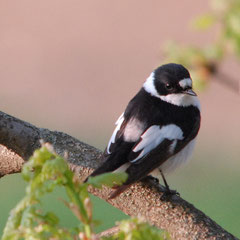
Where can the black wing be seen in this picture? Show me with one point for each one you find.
(116, 153)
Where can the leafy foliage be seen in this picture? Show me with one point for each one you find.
(205, 61)
(45, 171)
(136, 229)
(108, 179)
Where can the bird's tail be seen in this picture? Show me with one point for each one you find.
(105, 168)
(109, 165)
(118, 190)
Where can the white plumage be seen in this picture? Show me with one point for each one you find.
(181, 99)
(186, 82)
(133, 130)
(178, 159)
(154, 135)
(113, 137)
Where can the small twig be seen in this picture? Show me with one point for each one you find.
(227, 81)
(109, 232)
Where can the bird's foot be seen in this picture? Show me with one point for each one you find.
(168, 193)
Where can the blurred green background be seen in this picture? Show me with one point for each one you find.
(73, 66)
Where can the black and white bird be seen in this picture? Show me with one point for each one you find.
(157, 131)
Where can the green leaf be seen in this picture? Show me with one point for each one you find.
(108, 179)
(136, 229)
(29, 221)
(51, 218)
(204, 22)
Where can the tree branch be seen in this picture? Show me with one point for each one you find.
(181, 219)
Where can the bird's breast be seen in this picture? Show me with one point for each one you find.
(179, 158)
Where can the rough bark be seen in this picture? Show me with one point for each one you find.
(181, 219)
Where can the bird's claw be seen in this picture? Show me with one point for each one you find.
(168, 193)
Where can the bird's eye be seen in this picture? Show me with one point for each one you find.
(169, 87)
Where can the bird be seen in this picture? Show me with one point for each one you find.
(157, 131)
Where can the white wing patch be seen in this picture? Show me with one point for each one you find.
(173, 146)
(154, 135)
(133, 130)
(113, 137)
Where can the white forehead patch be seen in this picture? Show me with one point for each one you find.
(149, 85)
(186, 82)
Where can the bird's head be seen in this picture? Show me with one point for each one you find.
(172, 83)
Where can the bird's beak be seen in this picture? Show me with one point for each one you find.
(190, 92)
